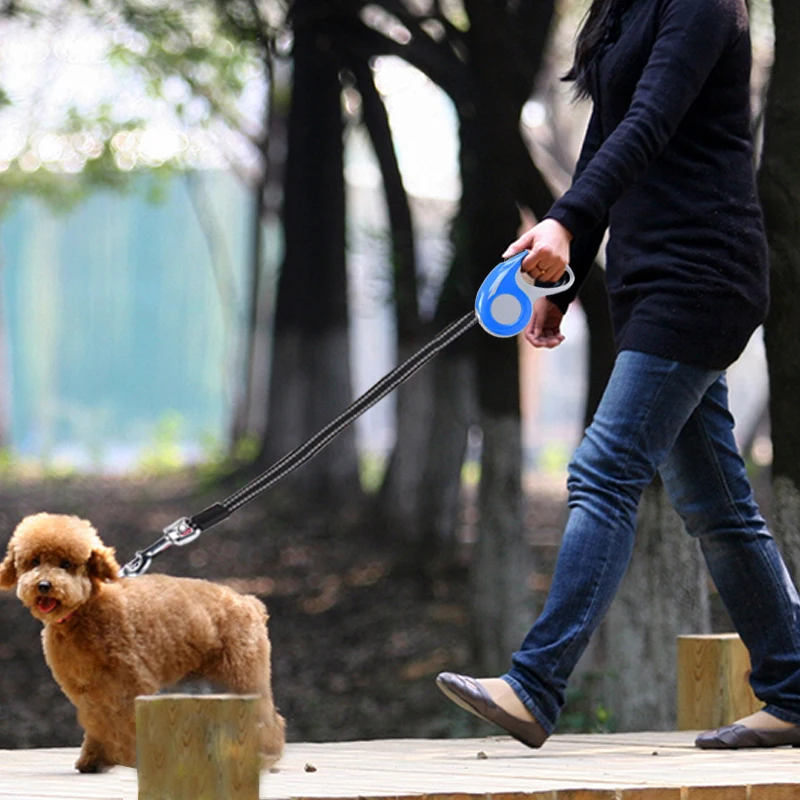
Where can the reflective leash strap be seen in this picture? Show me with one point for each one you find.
(187, 529)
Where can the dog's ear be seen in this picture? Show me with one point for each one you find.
(8, 571)
(102, 565)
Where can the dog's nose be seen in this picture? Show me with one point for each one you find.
(45, 587)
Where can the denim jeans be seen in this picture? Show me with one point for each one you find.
(660, 415)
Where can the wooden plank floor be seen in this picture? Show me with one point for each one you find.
(631, 766)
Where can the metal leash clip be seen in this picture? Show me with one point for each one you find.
(178, 533)
(182, 532)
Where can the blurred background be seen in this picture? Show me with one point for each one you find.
(224, 221)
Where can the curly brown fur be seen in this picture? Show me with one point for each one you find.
(108, 640)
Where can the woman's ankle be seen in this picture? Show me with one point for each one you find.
(764, 721)
(506, 698)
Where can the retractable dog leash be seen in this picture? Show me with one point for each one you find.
(503, 307)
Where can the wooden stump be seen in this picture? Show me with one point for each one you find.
(713, 685)
(197, 747)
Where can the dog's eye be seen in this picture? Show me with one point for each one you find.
(66, 564)
(35, 562)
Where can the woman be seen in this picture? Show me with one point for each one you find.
(667, 168)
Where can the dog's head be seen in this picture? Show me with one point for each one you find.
(56, 562)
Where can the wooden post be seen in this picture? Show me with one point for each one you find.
(713, 681)
(197, 747)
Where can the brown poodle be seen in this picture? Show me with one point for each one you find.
(108, 640)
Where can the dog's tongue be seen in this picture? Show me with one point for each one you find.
(46, 604)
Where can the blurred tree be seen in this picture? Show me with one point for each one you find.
(436, 38)
(486, 56)
(197, 60)
(399, 489)
(190, 63)
(779, 186)
(442, 43)
(310, 375)
(179, 56)
(216, 51)
(506, 48)
(5, 386)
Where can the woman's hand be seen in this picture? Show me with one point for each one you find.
(548, 246)
(544, 329)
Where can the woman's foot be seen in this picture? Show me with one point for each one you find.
(493, 700)
(757, 730)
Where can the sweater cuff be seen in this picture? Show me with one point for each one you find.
(565, 216)
(562, 301)
(578, 221)
(583, 252)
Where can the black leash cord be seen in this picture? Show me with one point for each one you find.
(187, 529)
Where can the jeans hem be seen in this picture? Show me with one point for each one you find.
(529, 703)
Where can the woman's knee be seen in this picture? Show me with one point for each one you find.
(602, 469)
(605, 455)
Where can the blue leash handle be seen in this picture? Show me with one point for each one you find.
(504, 303)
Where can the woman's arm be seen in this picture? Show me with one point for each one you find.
(584, 247)
(692, 35)
(552, 246)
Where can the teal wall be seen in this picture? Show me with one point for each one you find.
(114, 321)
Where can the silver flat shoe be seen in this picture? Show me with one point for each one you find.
(468, 694)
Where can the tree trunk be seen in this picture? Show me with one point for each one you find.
(500, 596)
(664, 594)
(310, 376)
(491, 164)
(5, 384)
(394, 512)
(455, 411)
(246, 414)
(779, 186)
(502, 557)
(251, 397)
(397, 501)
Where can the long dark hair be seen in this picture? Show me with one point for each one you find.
(599, 24)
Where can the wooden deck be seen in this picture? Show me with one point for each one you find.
(630, 766)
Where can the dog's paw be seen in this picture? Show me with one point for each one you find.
(91, 765)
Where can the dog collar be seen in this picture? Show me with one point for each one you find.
(71, 613)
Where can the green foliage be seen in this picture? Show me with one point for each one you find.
(181, 65)
(371, 469)
(246, 449)
(471, 473)
(164, 455)
(218, 463)
(14, 467)
(57, 470)
(584, 711)
(554, 458)
(9, 464)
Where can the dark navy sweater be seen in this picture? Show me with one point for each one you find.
(667, 166)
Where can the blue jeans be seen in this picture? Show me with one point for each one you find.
(659, 415)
